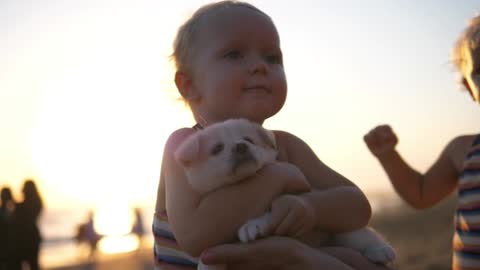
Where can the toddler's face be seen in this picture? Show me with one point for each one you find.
(471, 73)
(237, 66)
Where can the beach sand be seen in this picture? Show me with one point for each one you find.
(138, 260)
(422, 239)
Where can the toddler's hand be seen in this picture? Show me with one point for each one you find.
(292, 216)
(381, 140)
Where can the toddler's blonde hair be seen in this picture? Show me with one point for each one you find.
(183, 46)
(468, 41)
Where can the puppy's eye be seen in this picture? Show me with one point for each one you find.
(248, 139)
(216, 149)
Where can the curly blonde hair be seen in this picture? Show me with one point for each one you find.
(468, 41)
(183, 45)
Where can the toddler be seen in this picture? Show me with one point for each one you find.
(229, 65)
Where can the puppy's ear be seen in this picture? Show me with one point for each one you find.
(189, 151)
(267, 137)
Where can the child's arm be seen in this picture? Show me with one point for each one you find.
(201, 221)
(338, 205)
(419, 190)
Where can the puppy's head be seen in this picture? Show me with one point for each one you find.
(225, 152)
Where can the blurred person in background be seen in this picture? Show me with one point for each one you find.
(138, 228)
(7, 241)
(87, 234)
(25, 227)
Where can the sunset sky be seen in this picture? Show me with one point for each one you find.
(87, 98)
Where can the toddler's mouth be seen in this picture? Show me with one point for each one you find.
(257, 88)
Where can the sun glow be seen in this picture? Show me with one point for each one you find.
(113, 218)
(99, 101)
(114, 221)
(118, 244)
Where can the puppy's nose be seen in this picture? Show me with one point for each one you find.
(240, 148)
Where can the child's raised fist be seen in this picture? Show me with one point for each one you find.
(381, 140)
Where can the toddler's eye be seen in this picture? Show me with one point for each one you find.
(274, 59)
(248, 139)
(233, 55)
(216, 149)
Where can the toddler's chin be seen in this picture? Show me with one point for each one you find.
(259, 115)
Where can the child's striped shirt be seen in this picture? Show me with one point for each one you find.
(466, 240)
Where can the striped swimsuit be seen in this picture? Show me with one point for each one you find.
(466, 241)
(167, 252)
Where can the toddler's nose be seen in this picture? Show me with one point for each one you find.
(240, 148)
(258, 65)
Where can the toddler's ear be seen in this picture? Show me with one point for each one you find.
(184, 84)
(189, 151)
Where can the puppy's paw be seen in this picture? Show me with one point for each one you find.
(254, 228)
(380, 254)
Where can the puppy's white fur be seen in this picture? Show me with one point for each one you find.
(230, 151)
(225, 152)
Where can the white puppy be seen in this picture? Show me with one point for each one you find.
(230, 151)
(225, 153)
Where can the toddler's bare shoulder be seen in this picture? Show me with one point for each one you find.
(176, 138)
(284, 137)
(288, 144)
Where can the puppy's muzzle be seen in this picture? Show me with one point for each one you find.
(241, 154)
(240, 149)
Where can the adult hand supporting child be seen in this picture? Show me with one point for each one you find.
(283, 253)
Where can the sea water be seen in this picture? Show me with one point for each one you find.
(59, 247)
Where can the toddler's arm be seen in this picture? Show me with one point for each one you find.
(419, 190)
(201, 221)
(338, 204)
